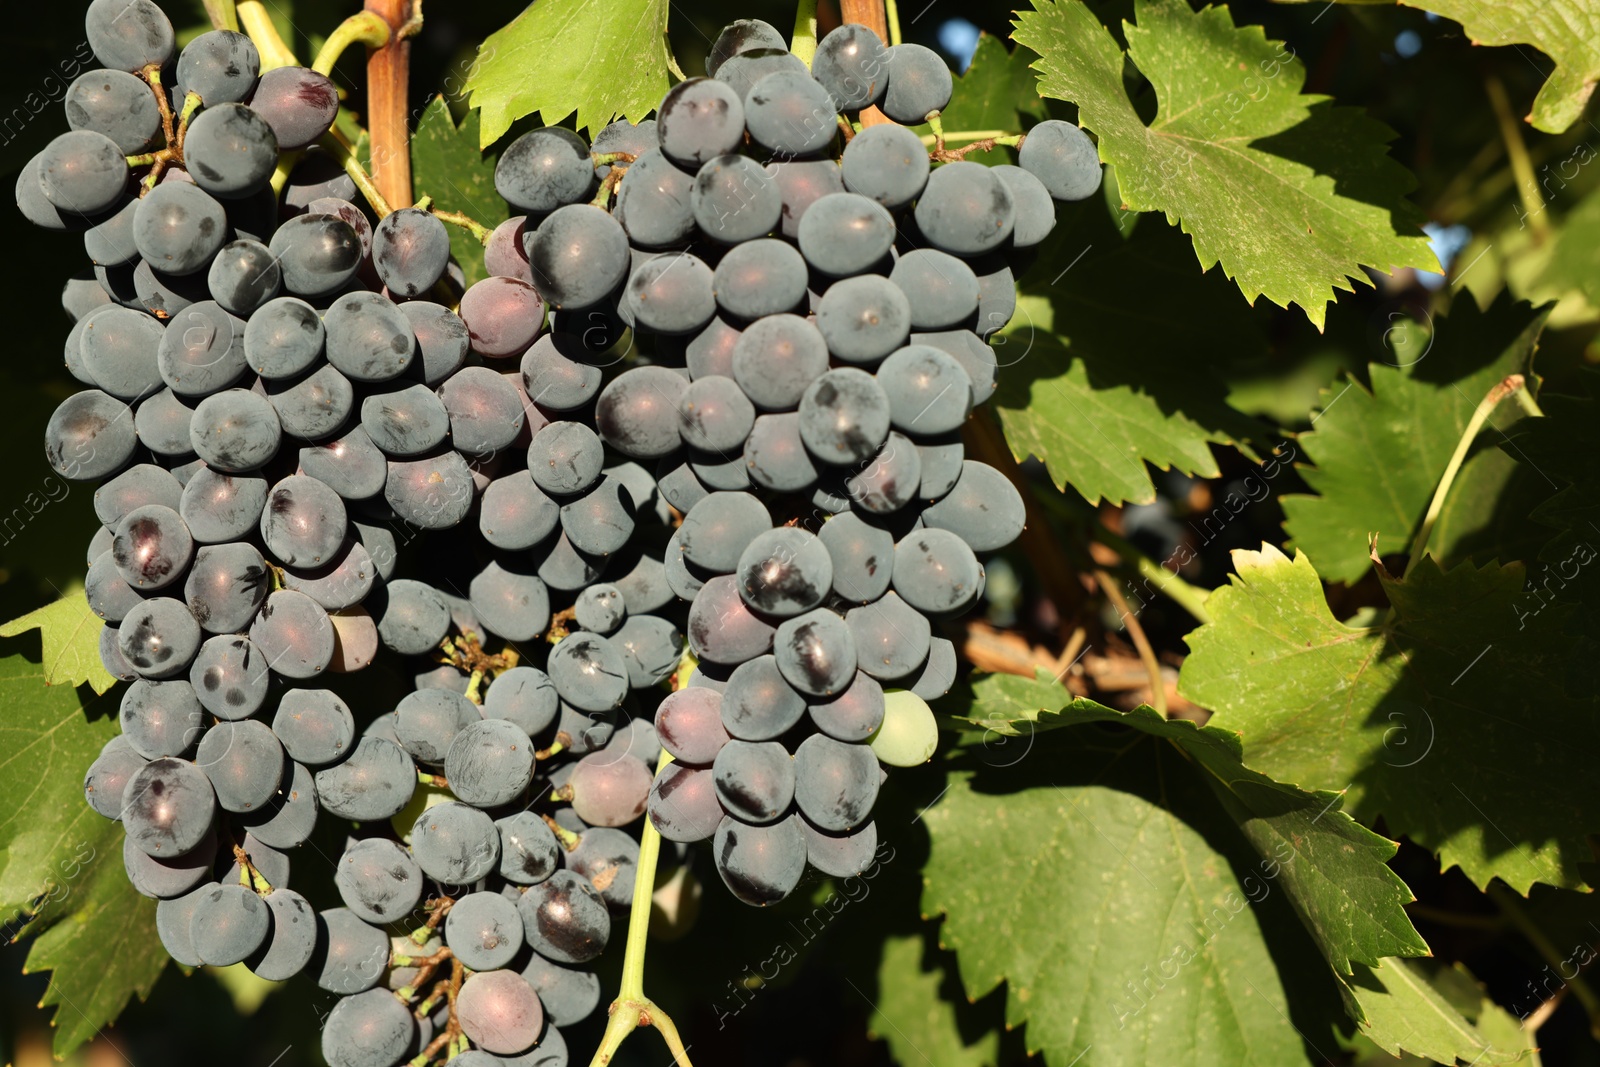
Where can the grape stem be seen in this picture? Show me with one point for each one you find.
(609, 183)
(286, 162)
(152, 78)
(982, 140)
(1130, 621)
(803, 43)
(364, 27)
(1506, 387)
(845, 128)
(388, 79)
(334, 143)
(258, 26)
(456, 218)
(891, 10)
(1190, 598)
(249, 876)
(436, 780)
(568, 839)
(632, 1009)
(222, 15)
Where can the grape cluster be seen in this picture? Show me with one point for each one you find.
(784, 346)
(683, 474)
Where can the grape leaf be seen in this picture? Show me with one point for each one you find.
(1292, 195)
(448, 165)
(1332, 869)
(1568, 31)
(596, 58)
(919, 1024)
(1379, 455)
(61, 874)
(103, 948)
(1404, 1011)
(1382, 712)
(1101, 880)
(70, 634)
(1097, 387)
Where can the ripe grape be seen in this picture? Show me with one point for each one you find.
(844, 416)
(502, 316)
(965, 209)
(941, 289)
(816, 652)
(299, 104)
(854, 714)
(1061, 156)
(456, 844)
(484, 930)
(565, 919)
(853, 65)
(528, 849)
(777, 358)
(886, 163)
(368, 1028)
(544, 170)
(230, 151)
(699, 119)
(489, 763)
(927, 389)
(128, 34)
(82, 172)
(221, 66)
(229, 923)
(578, 256)
(410, 249)
(760, 864)
(378, 880)
(167, 807)
(846, 233)
(919, 82)
(374, 783)
(936, 572)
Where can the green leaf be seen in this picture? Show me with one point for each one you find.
(104, 950)
(1405, 1012)
(1379, 455)
(919, 1023)
(70, 634)
(448, 165)
(1101, 880)
(596, 58)
(1095, 385)
(61, 862)
(1332, 868)
(1449, 720)
(1568, 31)
(1291, 195)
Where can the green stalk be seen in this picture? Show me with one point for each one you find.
(1000, 136)
(258, 26)
(1190, 598)
(222, 15)
(364, 27)
(286, 162)
(804, 42)
(1510, 906)
(892, 10)
(1502, 389)
(632, 1009)
(335, 146)
(466, 222)
(1521, 164)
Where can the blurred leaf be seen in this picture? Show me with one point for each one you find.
(919, 1024)
(70, 634)
(1568, 31)
(1378, 456)
(1462, 769)
(596, 58)
(1332, 868)
(1575, 260)
(1292, 195)
(448, 165)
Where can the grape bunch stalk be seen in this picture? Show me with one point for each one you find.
(659, 529)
